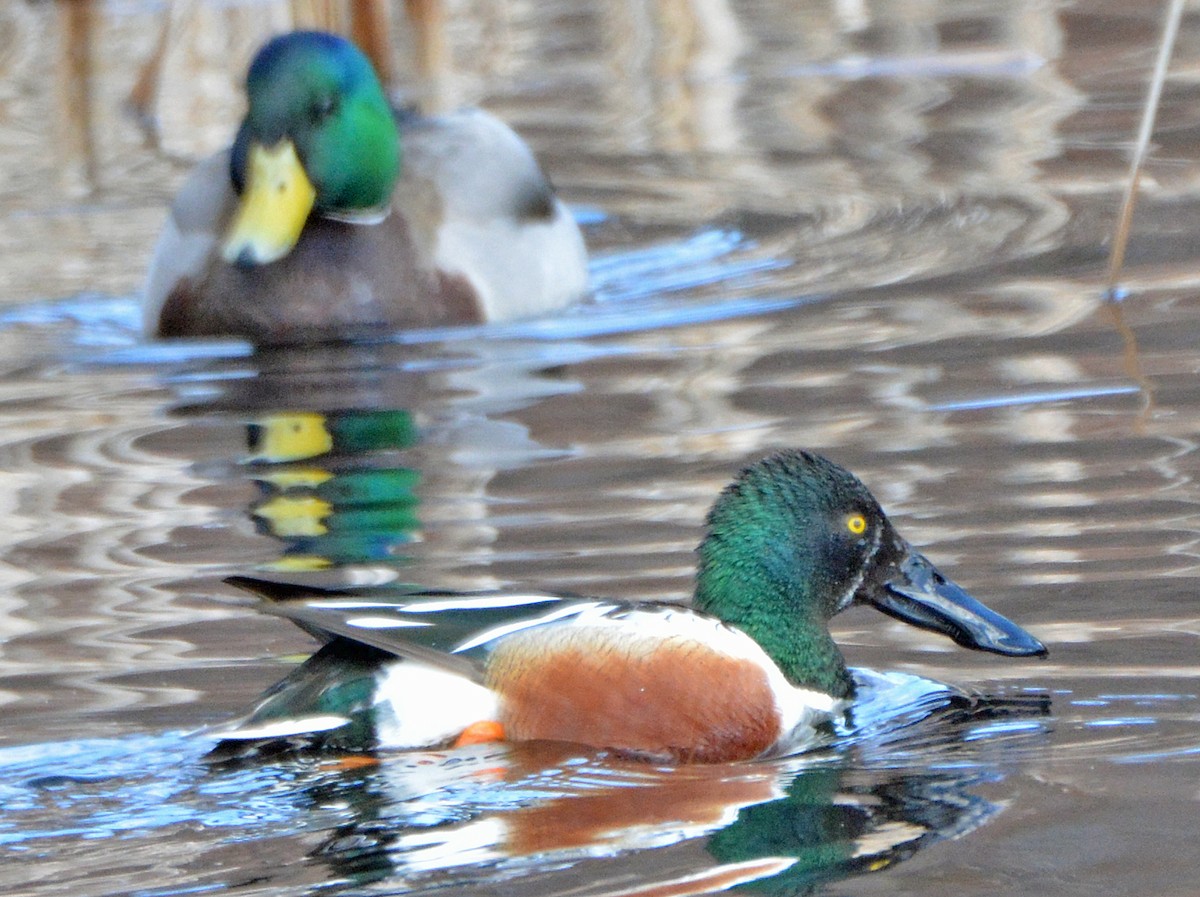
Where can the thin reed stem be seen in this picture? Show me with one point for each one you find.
(1116, 257)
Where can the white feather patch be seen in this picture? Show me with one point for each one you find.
(302, 725)
(385, 623)
(421, 705)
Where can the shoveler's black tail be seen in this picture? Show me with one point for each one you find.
(358, 611)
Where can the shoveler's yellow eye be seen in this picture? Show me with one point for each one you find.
(857, 524)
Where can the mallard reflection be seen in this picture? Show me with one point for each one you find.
(323, 495)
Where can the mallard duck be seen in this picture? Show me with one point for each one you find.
(333, 215)
(749, 670)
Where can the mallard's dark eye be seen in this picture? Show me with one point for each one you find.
(322, 108)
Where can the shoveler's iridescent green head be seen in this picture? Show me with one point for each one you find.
(795, 539)
(319, 135)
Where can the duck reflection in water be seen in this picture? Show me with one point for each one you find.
(344, 443)
(550, 820)
(326, 494)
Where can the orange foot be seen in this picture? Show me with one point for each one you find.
(350, 761)
(480, 733)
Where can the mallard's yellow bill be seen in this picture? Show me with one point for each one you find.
(291, 437)
(294, 477)
(274, 206)
(299, 563)
(291, 518)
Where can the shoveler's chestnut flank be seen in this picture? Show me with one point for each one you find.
(333, 215)
(750, 670)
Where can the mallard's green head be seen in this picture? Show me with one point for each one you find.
(795, 539)
(318, 135)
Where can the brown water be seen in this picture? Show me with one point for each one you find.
(877, 230)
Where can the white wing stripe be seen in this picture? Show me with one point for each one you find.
(483, 638)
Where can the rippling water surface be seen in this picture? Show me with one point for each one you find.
(875, 230)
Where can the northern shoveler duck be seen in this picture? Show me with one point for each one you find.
(333, 215)
(749, 670)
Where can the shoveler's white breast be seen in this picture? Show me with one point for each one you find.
(661, 682)
(418, 705)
